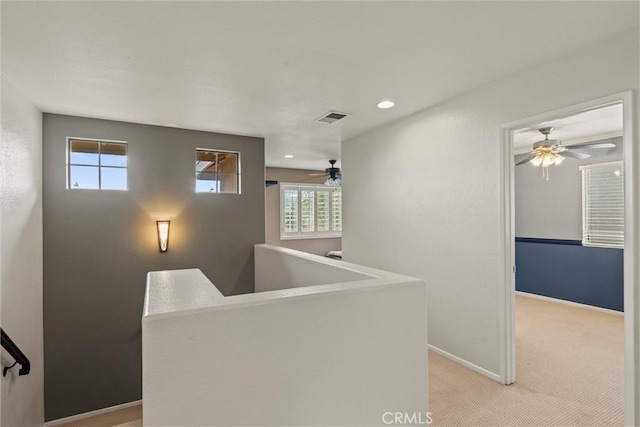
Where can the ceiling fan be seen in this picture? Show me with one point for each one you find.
(549, 152)
(333, 174)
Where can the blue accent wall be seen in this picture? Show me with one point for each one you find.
(566, 270)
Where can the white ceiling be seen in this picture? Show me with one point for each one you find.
(269, 69)
(591, 125)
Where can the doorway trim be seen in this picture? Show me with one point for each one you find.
(631, 248)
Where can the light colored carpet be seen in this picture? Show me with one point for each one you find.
(570, 372)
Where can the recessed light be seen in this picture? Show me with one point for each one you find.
(288, 156)
(386, 104)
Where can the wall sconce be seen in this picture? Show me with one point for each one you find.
(163, 235)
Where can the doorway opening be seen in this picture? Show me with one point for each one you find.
(558, 234)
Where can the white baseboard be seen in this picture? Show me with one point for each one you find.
(467, 364)
(91, 414)
(574, 304)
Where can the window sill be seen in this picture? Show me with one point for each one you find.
(312, 237)
(597, 245)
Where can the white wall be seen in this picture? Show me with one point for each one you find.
(21, 254)
(435, 215)
(336, 354)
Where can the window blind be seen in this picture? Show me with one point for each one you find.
(603, 205)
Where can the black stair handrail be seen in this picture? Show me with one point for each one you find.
(17, 354)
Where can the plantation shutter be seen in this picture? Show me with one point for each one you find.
(324, 211)
(310, 211)
(603, 205)
(290, 210)
(336, 206)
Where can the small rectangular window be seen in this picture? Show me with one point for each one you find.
(96, 165)
(603, 205)
(217, 171)
(310, 211)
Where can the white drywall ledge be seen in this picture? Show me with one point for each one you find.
(341, 353)
(281, 268)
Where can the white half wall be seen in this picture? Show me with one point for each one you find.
(281, 268)
(21, 255)
(436, 213)
(340, 354)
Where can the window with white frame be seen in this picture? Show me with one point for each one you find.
(603, 204)
(96, 165)
(310, 211)
(217, 171)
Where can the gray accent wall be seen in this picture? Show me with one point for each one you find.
(552, 209)
(314, 246)
(99, 246)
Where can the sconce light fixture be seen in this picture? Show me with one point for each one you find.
(163, 235)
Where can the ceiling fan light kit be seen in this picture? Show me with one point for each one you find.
(333, 174)
(546, 153)
(333, 182)
(544, 160)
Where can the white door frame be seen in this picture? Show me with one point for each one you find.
(631, 249)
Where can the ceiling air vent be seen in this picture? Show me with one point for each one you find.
(331, 117)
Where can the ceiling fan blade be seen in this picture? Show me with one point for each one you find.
(311, 178)
(575, 154)
(592, 145)
(521, 159)
(318, 174)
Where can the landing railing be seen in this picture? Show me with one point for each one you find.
(320, 342)
(15, 352)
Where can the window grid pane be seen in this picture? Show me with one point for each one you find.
(113, 178)
(84, 177)
(207, 182)
(227, 183)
